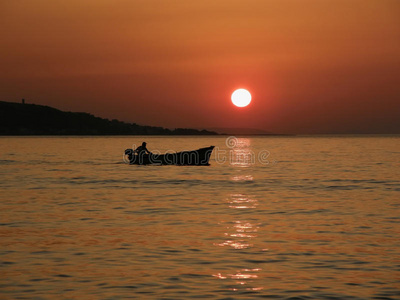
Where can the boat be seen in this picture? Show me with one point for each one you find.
(199, 157)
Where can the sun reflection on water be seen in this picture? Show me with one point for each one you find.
(240, 201)
(242, 178)
(241, 233)
(241, 154)
(242, 277)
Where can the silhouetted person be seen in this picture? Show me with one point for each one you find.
(141, 150)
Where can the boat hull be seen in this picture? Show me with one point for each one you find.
(199, 157)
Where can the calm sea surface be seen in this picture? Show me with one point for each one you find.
(271, 217)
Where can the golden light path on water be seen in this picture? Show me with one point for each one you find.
(240, 234)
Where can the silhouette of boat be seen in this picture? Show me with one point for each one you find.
(199, 157)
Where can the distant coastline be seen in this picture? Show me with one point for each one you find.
(245, 132)
(33, 119)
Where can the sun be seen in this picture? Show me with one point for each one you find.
(241, 98)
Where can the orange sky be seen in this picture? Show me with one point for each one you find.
(312, 66)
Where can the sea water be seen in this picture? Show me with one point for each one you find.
(271, 217)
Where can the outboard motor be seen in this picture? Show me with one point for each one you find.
(129, 152)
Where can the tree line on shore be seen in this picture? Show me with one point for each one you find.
(32, 119)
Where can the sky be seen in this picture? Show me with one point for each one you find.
(312, 66)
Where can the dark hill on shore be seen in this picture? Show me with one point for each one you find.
(32, 119)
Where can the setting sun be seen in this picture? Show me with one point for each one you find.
(241, 98)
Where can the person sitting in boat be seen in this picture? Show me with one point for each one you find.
(142, 150)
